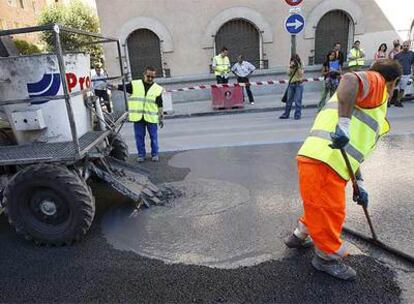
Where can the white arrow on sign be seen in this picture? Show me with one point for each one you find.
(297, 24)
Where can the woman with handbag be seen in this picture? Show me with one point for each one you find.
(294, 90)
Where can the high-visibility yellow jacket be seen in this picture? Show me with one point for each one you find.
(143, 105)
(367, 126)
(355, 54)
(221, 65)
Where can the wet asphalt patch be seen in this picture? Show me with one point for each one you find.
(92, 271)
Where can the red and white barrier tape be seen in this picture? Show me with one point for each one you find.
(230, 85)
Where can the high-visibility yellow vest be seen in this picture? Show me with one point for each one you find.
(355, 53)
(143, 105)
(222, 65)
(367, 126)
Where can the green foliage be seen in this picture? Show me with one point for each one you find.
(26, 48)
(78, 16)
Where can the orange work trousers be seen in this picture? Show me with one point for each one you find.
(323, 195)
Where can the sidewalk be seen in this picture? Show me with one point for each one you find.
(262, 104)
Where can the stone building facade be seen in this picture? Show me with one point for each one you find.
(20, 13)
(180, 37)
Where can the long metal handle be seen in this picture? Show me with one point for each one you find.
(356, 191)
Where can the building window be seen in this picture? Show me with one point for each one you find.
(22, 4)
(11, 2)
(334, 26)
(240, 37)
(144, 49)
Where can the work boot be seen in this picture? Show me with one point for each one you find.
(393, 98)
(334, 268)
(294, 242)
(155, 158)
(140, 159)
(398, 103)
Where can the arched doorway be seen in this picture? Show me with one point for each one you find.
(144, 50)
(240, 37)
(334, 26)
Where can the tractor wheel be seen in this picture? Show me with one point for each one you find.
(119, 148)
(49, 204)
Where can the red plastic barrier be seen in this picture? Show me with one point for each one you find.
(227, 98)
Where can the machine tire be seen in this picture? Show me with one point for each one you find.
(35, 192)
(119, 148)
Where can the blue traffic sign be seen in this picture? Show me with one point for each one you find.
(294, 24)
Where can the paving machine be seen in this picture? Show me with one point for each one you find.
(54, 136)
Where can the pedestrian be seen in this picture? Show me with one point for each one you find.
(356, 57)
(406, 59)
(331, 70)
(396, 49)
(145, 111)
(99, 85)
(338, 53)
(243, 69)
(221, 66)
(295, 89)
(381, 53)
(353, 120)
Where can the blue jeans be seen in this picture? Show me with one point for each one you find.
(295, 94)
(139, 128)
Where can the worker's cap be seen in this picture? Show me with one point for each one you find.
(98, 65)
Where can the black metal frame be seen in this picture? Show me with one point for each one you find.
(57, 29)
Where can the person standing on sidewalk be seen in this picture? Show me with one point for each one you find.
(295, 89)
(221, 66)
(406, 59)
(331, 70)
(243, 69)
(338, 53)
(353, 120)
(145, 111)
(395, 50)
(356, 57)
(381, 53)
(99, 85)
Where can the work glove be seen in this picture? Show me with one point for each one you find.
(340, 138)
(161, 123)
(361, 198)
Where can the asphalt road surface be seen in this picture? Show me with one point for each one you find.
(219, 237)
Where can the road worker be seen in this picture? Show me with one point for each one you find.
(145, 110)
(356, 57)
(353, 119)
(221, 66)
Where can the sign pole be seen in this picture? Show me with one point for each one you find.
(293, 45)
(294, 24)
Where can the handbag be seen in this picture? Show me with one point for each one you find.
(284, 98)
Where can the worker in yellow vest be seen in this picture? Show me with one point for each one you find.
(145, 110)
(221, 66)
(356, 57)
(353, 119)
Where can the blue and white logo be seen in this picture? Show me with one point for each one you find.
(295, 24)
(49, 85)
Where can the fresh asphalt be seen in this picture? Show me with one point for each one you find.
(101, 269)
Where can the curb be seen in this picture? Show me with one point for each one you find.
(234, 111)
(410, 99)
